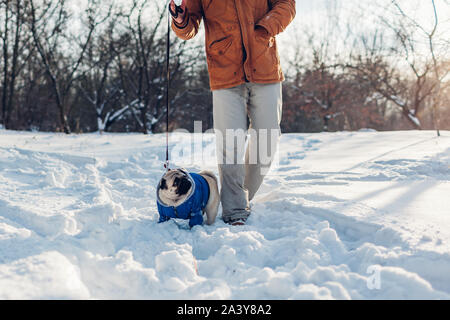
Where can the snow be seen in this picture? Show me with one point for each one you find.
(347, 215)
(414, 119)
(398, 100)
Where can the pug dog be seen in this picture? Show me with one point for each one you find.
(191, 196)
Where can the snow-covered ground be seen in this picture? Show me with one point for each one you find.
(362, 215)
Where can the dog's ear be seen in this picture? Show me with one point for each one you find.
(163, 184)
(183, 186)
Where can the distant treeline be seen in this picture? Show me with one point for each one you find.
(102, 68)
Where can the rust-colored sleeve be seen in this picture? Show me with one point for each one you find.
(279, 17)
(189, 27)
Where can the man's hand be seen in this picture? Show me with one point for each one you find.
(178, 15)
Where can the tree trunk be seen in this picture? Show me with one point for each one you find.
(5, 68)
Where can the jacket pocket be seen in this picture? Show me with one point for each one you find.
(224, 59)
(218, 52)
(265, 61)
(263, 45)
(220, 46)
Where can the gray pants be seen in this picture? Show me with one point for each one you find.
(243, 162)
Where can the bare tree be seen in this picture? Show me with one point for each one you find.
(439, 73)
(16, 52)
(48, 21)
(383, 67)
(100, 86)
(321, 93)
(142, 67)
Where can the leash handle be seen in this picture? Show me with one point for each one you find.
(178, 10)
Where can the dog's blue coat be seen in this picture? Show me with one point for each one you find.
(192, 208)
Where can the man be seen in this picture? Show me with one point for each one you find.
(245, 78)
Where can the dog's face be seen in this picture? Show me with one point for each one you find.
(174, 186)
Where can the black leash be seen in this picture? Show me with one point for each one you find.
(175, 15)
(166, 164)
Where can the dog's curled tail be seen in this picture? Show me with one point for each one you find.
(208, 174)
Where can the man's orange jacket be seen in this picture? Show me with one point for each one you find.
(237, 49)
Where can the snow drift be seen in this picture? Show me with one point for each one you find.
(360, 215)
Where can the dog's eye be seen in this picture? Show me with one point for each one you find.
(176, 182)
(163, 184)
